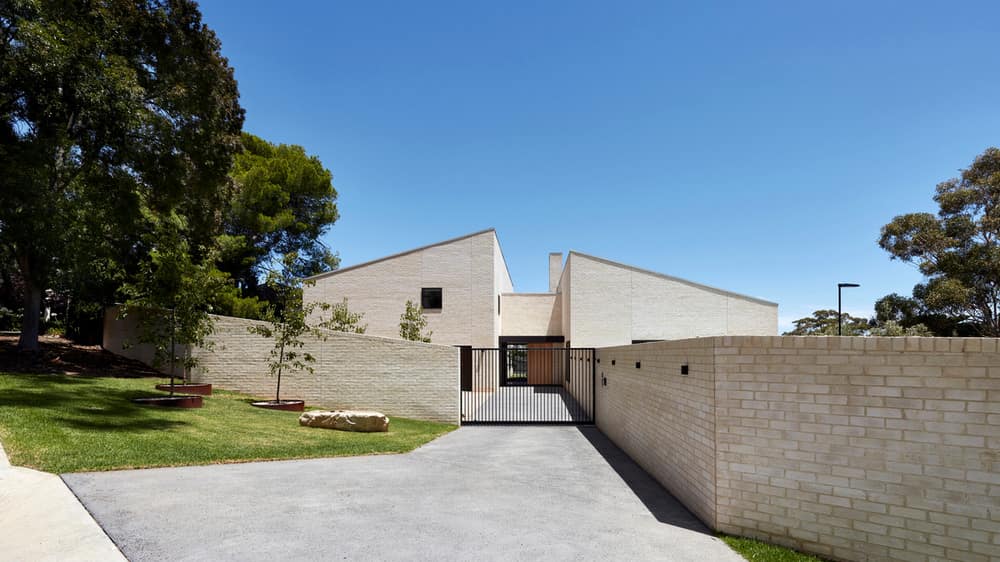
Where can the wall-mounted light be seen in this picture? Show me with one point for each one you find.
(638, 364)
(684, 369)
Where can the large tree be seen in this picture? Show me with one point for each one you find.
(957, 250)
(912, 312)
(283, 202)
(824, 323)
(113, 106)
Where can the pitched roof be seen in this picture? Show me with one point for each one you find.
(407, 252)
(672, 278)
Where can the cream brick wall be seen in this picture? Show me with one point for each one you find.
(465, 269)
(614, 304)
(851, 448)
(662, 420)
(502, 283)
(531, 314)
(120, 336)
(862, 448)
(352, 371)
(555, 270)
(566, 301)
(601, 305)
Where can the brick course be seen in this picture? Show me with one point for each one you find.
(352, 371)
(851, 448)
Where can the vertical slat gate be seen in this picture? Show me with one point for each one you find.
(527, 384)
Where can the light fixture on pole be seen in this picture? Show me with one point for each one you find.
(840, 315)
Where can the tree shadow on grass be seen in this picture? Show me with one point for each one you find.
(87, 406)
(120, 424)
(117, 414)
(51, 391)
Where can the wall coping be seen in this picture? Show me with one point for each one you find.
(335, 333)
(843, 343)
(250, 322)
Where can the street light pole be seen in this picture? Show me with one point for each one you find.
(840, 315)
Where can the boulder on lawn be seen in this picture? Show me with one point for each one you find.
(346, 420)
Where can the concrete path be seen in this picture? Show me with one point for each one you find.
(480, 493)
(41, 519)
(522, 404)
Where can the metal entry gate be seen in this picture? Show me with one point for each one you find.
(527, 383)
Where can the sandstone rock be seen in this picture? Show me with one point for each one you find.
(346, 420)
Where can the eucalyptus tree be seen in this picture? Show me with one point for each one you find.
(958, 249)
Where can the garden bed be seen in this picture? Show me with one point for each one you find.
(283, 405)
(170, 401)
(187, 388)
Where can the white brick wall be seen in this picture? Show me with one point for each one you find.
(502, 283)
(566, 301)
(531, 314)
(862, 448)
(851, 448)
(662, 420)
(555, 270)
(399, 378)
(613, 304)
(466, 270)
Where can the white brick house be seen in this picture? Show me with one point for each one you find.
(469, 299)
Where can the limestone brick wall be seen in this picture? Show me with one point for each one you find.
(397, 377)
(464, 269)
(120, 334)
(555, 270)
(565, 301)
(664, 421)
(861, 448)
(851, 448)
(121, 337)
(614, 304)
(502, 283)
(531, 314)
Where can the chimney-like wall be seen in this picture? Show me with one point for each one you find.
(555, 270)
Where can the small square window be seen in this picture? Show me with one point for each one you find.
(430, 298)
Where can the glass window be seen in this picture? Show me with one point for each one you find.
(430, 298)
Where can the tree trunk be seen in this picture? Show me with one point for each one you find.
(281, 362)
(32, 309)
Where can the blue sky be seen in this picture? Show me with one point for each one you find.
(757, 147)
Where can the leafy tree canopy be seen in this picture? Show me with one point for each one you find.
(912, 312)
(283, 202)
(412, 324)
(957, 250)
(892, 328)
(824, 323)
(174, 281)
(111, 106)
(341, 319)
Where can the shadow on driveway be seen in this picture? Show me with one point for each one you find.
(660, 503)
(480, 493)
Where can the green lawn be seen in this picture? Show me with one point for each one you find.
(61, 423)
(757, 551)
